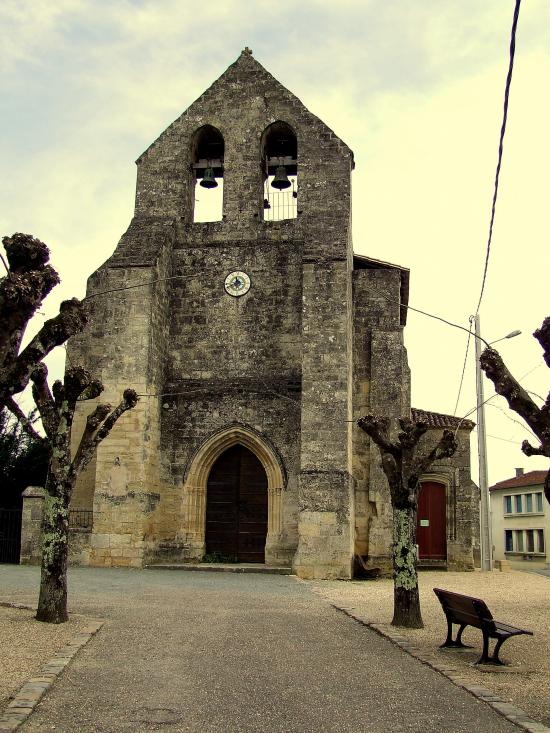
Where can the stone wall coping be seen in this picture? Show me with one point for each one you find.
(34, 492)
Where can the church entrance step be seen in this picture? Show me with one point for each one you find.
(223, 568)
(432, 565)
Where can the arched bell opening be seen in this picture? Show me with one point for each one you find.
(207, 155)
(236, 507)
(279, 172)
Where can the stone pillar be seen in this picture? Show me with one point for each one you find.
(31, 527)
(194, 513)
(326, 523)
(273, 554)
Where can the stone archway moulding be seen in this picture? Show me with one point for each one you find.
(194, 490)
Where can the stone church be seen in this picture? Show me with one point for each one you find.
(236, 308)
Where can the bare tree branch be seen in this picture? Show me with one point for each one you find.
(411, 432)
(90, 441)
(92, 391)
(44, 400)
(378, 429)
(537, 418)
(518, 398)
(128, 402)
(26, 424)
(15, 376)
(531, 450)
(542, 335)
(86, 445)
(29, 279)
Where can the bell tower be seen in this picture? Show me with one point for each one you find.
(238, 332)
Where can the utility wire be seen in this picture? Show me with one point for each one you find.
(388, 300)
(500, 147)
(463, 367)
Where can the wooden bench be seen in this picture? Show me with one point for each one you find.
(469, 611)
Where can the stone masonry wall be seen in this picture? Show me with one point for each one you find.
(121, 347)
(381, 387)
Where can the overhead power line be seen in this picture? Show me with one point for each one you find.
(500, 148)
(463, 367)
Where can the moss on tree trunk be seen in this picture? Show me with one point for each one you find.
(52, 602)
(406, 607)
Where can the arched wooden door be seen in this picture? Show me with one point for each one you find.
(431, 528)
(236, 507)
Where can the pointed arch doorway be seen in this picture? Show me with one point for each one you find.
(237, 506)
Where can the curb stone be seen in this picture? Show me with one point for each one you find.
(34, 689)
(512, 713)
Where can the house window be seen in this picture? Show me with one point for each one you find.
(518, 502)
(508, 540)
(280, 172)
(207, 167)
(528, 502)
(507, 504)
(538, 498)
(530, 536)
(540, 540)
(519, 540)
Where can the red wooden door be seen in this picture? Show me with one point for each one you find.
(236, 507)
(431, 527)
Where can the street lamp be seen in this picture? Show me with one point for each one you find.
(485, 519)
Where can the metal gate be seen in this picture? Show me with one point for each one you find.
(10, 535)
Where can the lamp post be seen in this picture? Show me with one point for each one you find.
(484, 514)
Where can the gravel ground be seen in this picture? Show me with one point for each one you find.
(26, 645)
(207, 652)
(519, 598)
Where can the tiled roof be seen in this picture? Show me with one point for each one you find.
(531, 478)
(439, 420)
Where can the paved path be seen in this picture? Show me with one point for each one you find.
(207, 652)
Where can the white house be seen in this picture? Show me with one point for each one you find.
(520, 518)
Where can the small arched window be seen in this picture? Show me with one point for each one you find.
(207, 157)
(280, 172)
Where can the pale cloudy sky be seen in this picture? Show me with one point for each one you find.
(414, 88)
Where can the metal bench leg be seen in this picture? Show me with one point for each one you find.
(484, 659)
(449, 641)
(458, 640)
(495, 659)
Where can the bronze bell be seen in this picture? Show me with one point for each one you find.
(209, 180)
(280, 179)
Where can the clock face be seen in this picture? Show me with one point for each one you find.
(237, 283)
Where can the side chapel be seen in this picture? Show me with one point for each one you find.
(235, 306)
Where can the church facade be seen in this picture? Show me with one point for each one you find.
(255, 341)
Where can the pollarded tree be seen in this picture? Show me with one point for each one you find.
(403, 465)
(28, 280)
(57, 408)
(519, 400)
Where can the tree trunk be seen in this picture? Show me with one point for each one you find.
(406, 600)
(52, 602)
